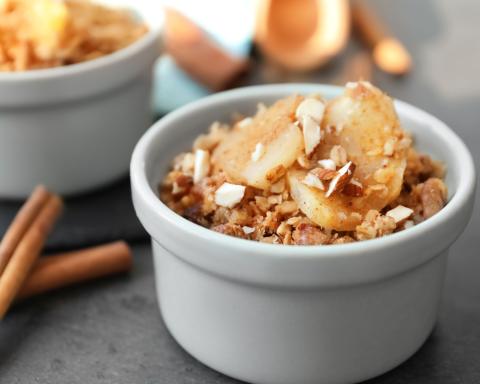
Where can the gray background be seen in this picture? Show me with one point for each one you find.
(111, 331)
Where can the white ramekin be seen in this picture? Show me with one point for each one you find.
(74, 128)
(294, 314)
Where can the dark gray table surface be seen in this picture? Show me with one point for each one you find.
(111, 331)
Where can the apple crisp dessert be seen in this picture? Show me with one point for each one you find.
(308, 171)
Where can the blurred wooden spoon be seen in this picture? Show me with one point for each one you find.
(302, 34)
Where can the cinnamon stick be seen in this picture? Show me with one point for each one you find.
(27, 251)
(53, 272)
(389, 53)
(22, 221)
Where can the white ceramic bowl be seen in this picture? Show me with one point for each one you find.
(268, 313)
(74, 128)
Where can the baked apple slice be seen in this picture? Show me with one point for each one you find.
(364, 125)
(260, 150)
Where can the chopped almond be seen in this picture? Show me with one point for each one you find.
(399, 213)
(344, 175)
(229, 195)
(278, 187)
(324, 174)
(312, 135)
(327, 164)
(310, 107)
(313, 181)
(248, 230)
(338, 155)
(245, 122)
(202, 165)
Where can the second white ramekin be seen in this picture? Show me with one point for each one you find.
(74, 128)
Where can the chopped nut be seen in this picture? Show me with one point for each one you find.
(229, 195)
(270, 239)
(327, 164)
(338, 155)
(304, 162)
(311, 107)
(230, 230)
(313, 181)
(278, 187)
(343, 240)
(399, 213)
(375, 225)
(294, 220)
(258, 152)
(312, 135)
(283, 228)
(188, 163)
(356, 182)
(262, 203)
(181, 184)
(274, 199)
(433, 196)
(245, 122)
(202, 165)
(306, 234)
(353, 189)
(287, 207)
(343, 177)
(276, 173)
(248, 230)
(408, 224)
(324, 174)
(404, 143)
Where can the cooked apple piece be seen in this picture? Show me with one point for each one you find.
(363, 124)
(363, 121)
(259, 153)
(331, 212)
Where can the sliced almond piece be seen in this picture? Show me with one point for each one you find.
(313, 181)
(278, 187)
(201, 166)
(245, 122)
(344, 175)
(311, 107)
(312, 134)
(248, 230)
(399, 213)
(327, 164)
(229, 195)
(338, 155)
(324, 174)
